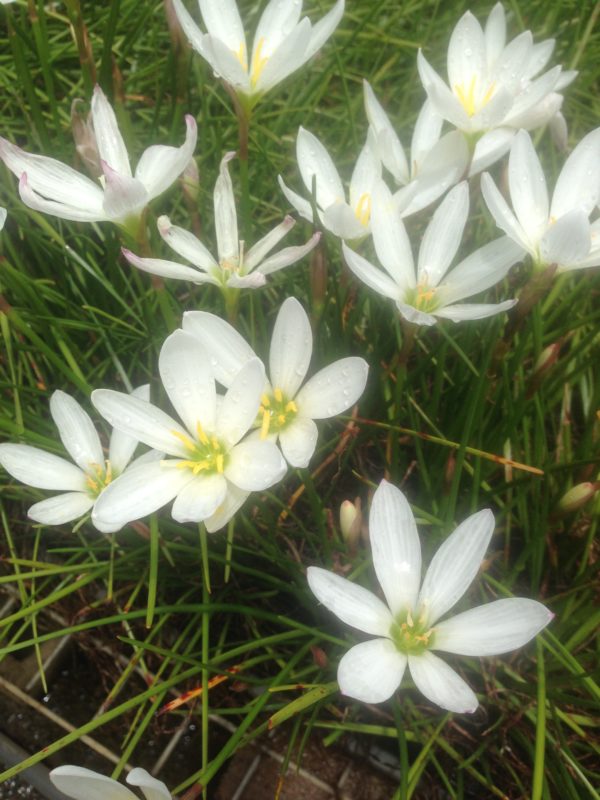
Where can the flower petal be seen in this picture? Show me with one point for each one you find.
(411, 314)
(61, 508)
(277, 21)
(199, 498)
(302, 206)
(151, 788)
(396, 547)
(259, 251)
(371, 671)
(186, 244)
(527, 185)
(228, 351)
(466, 53)
(333, 389)
(239, 408)
(226, 229)
(493, 628)
(77, 431)
(577, 185)
(322, 30)
(504, 217)
(222, 20)
(168, 269)
(374, 278)
(186, 374)
(461, 312)
(190, 29)
(442, 99)
(287, 256)
(298, 441)
(455, 565)
(255, 465)
(111, 146)
(287, 58)
(490, 148)
(226, 64)
(351, 603)
(313, 159)
(495, 34)
(291, 348)
(390, 239)
(568, 240)
(124, 196)
(531, 95)
(40, 469)
(389, 147)
(443, 236)
(481, 269)
(366, 173)
(441, 684)
(341, 220)
(122, 446)
(84, 784)
(234, 500)
(161, 165)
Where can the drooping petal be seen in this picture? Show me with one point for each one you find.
(455, 565)
(527, 185)
(124, 196)
(61, 508)
(168, 269)
(234, 500)
(298, 441)
(111, 146)
(371, 671)
(287, 256)
(441, 684)
(568, 240)
(240, 405)
(491, 629)
(138, 492)
(77, 431)
(40, 469)
(313, 159)
(228, 350)
(578, 185)
(461, 312)
(291, 348)
(186, 244)
(482, 269)
(200, 498)
(186, 374)
(443, 236)
(84, 784)
(322, 30)
(504, 217)
(258, 252)
(396, 547)
(391, 241)
(151, 788)
(226, 228)
(374, 278)
(287, 58)
(161, 165)
(333, 389)
(255, 465)
(122, 446)
(351, 603)
(223, 21)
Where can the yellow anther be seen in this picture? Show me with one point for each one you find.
(278, 395)
(220, 464)
(265, 400)
(108, 477)
(187, 442)
(264, 426)
(409, 620)
(281, 419)
(215, 443)
(92, 484)
(363, 208)
(201, 435)
(258, 62)
(291, 407)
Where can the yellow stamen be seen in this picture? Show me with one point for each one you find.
(241, 55)
(467, 99)
(363, 208)
(187, 442)
(215, 443)
(281, 419)
(264, 426)
(258, 62)
(201, 435)
(108, 477)
(278, 395)
(291, 406)
(220, 464)
(409, 620)
(92, 484)
(265, 400)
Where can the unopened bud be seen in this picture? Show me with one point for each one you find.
(85, 138)
(578, 496)
(351, 521)
(190, 180)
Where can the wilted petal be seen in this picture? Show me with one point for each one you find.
(333, 389)
(40, 469)
(77, 431)
(61, 508)
(151, 788)
(291, 348)
(255, 465)
(441, 684)
(84, 784)
(239, 407)
(374, 278)
(228, 350)
(111, 146)
(199, 498)
(298, 441)
(371, 671)
(351, 603)
(161, 165)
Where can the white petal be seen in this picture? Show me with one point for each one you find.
(189, 27)
(443, 236)
(469, 311)
(291, 348)
(351, 603)
(444, 165)
(253, 281)
(504, 217)
(140, 419)
(255, 465)
(482, 269)
(168, 269)
(313, 159)
(277, 21)
(495, 33)
(527, 185)
(61, 508)
(466, 53)
(234, 500)
(493, 628)
(374, 278)
(389, 147)
(124, 196)
(222, 20)
(151, 788)
(138, 492)
(340, 218)
(239, 407)
(533, 94)
(441, 684)
(442, 99)
(186, 374)
(84, 784)
(77, 431)
(226, 64)
(391, 241)
(366, 173)
(40, 469)
(287, 58)
(371, 671)
(186, 244)
(302, 206)
(426, 135)
(333, 389)
(226, 229)
(111, 146)
(228, 350)
(396, 547)
(298, 441)
(455, 565)
(568, 240)
(578, 185)
(511, 67)
(161, 165)
(199, 498)
(2, 217)
(122, 446)
(411, 314)
(493, 113)
(287, 256)
(323, 29)
(92, 211)
(539, 56)
(259, 251)
(490, 148)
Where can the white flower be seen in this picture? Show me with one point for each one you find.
(408, 627)
(282, 44)
(287, 408)
(435, 163)
(492, 85)
(347, 220)
(212, 471)
(560, 232)
(52, 187)
(83, 482)
(433, 291)
(235, 268)
(84, 784)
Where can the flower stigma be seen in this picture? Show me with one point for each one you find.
(410, 636)
(206, 454)
(275, 412)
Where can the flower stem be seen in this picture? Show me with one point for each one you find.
(229, 549)
(205, 649)
(537, 789)
(402, 793)
(153, 577)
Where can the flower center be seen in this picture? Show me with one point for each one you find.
(98, 478)
(363, 208)
(258, 62)
(410, 636)
(207, 454)
(423, 297)
(467, 97)
(275, 412)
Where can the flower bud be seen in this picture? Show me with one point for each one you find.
(578, 496)
(350, 521)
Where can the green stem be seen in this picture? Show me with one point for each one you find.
(205, 649)
(229, 549)
(402, 793)
(153, 577)
(540, 726)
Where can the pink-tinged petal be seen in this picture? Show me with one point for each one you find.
(578, 185)
(371, 671)
(302, 206)
(391, 241)
(443, 236)
(222, 20)
(493, 628)
(77, 431)
(226, 229)
(122, 446)
(40, 469)
(351, 603)
(259, 251)
(455, 565)
(568, 240)
(161, 165)
(255, 465)
(298, 441)
(322, 30)
(186, 374)
(139, 491)
(124, 196)
(111, 146)
(441, 684)
(200, 498)
(470, 311)
(314, 160)
(61, 508)
(186, 245)
(291, 348)
(287, 58)
(168, 269)
(287, 256)
(151, 788)
(333, 389)
(504, 217)
(228, 350)
(189, 27)
(374, 278)
(234, 500)
(490, 148)
(239, 408)
(84, 784)
(396, 548)
(527, 185)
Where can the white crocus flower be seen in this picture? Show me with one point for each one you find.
(348, 220)
(235, 268)
(408, 627)
(558, 232)
(435, 163)
(211, 470)
(47, 185)
(433, 291)
(492, 90)
(282, 44)
(288, 408)
(81, 483)
(85, 784)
